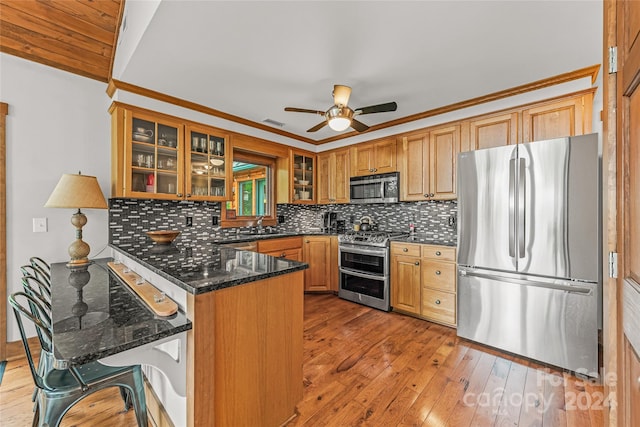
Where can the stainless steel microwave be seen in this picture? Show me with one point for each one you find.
(380, 188)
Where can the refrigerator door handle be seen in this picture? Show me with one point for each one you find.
(521, 207)
(527, 282)
(512, 207)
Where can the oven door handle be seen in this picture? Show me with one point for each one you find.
(360, 274)
(374, 252)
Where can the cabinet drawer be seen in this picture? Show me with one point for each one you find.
(440, 275)
(439, 306)
(271, 245)
(407, 249)
(439, 252)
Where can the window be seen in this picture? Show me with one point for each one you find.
(252, 192)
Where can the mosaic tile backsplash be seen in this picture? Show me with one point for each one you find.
(130, 218)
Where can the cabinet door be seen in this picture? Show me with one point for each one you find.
(385, 156)
(340, 176)
(317, 253)
(414, 167)
(153, 156)
(362, 159)
(208, 164)
(303, 177)
(405, 283)
(558, 119)
(632, 385)
(494, 131)
(324, 177)
(444, 147)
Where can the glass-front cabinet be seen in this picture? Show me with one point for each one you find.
(303, 166)
(155, 156)
(208, 168)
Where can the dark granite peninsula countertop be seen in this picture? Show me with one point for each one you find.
(241, 237)
(206, 267)
(95, 315)
(424, 239)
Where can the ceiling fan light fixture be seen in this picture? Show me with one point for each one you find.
(339, 118)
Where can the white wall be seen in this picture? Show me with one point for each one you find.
(58, 123)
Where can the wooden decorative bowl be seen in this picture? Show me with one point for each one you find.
(163, 237)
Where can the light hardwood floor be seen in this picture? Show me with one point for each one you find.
(366, 367)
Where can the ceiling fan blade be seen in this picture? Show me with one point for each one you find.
(341, 95)
(318, 126)
(380, 108)
(304, 110)
(359, 126)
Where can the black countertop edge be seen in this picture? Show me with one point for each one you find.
(267, 236)
(425, 240)
(214, 286)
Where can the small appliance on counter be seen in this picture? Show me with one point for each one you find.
(329, 222)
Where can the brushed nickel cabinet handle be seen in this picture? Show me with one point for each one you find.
(437, 272)
(438, 253)
(438, 302)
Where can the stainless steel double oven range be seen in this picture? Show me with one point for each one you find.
(365, 268)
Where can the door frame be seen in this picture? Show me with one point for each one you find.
(4, 110)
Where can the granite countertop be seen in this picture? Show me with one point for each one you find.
(95, 315)
(208, 266)
(239, 238)
(424, 239)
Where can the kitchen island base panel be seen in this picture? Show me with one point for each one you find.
(245, 353)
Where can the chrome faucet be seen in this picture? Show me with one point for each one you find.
(259, 222)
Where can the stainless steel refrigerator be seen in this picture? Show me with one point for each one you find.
(529, 250)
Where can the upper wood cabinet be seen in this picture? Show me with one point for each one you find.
(427, 163)
(491, 131)
(333, 176)
(559, 118)
(373, 157)
(152, 159)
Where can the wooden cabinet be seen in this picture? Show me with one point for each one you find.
(287, 247)
(303, 177)
(333, 176)
(317, 253)
(492, 131)
(558, 118)
(152, 159)
(427, 164)
(373, 157)
(423, 281)
(334, 268)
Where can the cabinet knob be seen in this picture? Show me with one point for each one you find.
(426, 195)
(179, 194)
(188, 194)
(282, 255)
(370, 169)
(417, 262)
(405, 250)
(438, 301)
(431, 195)
(375, 169)
(438, 253)
(306, 241)
(437, 272)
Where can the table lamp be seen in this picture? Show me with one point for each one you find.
(76, 192)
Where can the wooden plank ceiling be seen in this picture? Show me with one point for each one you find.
(78, 36)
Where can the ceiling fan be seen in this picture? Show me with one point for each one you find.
(339, 117)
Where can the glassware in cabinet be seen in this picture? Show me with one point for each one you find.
(303, 178)
(207, 168)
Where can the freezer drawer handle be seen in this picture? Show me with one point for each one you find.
(570, 289)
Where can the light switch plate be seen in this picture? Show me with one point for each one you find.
(39, 225)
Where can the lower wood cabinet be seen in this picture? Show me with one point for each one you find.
(316, 251)
(423, 281)
(287, 247)
(631, 384)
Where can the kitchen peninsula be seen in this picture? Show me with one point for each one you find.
(244, 351)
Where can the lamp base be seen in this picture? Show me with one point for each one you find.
(79, 264)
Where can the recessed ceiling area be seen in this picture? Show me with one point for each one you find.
(253, 59)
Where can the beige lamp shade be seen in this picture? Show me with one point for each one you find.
(77, 191)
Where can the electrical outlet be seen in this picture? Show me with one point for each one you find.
(39, 225)
(189, 221)
(214, 220)
(188, 252)
(452, 220)
(280, 219)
